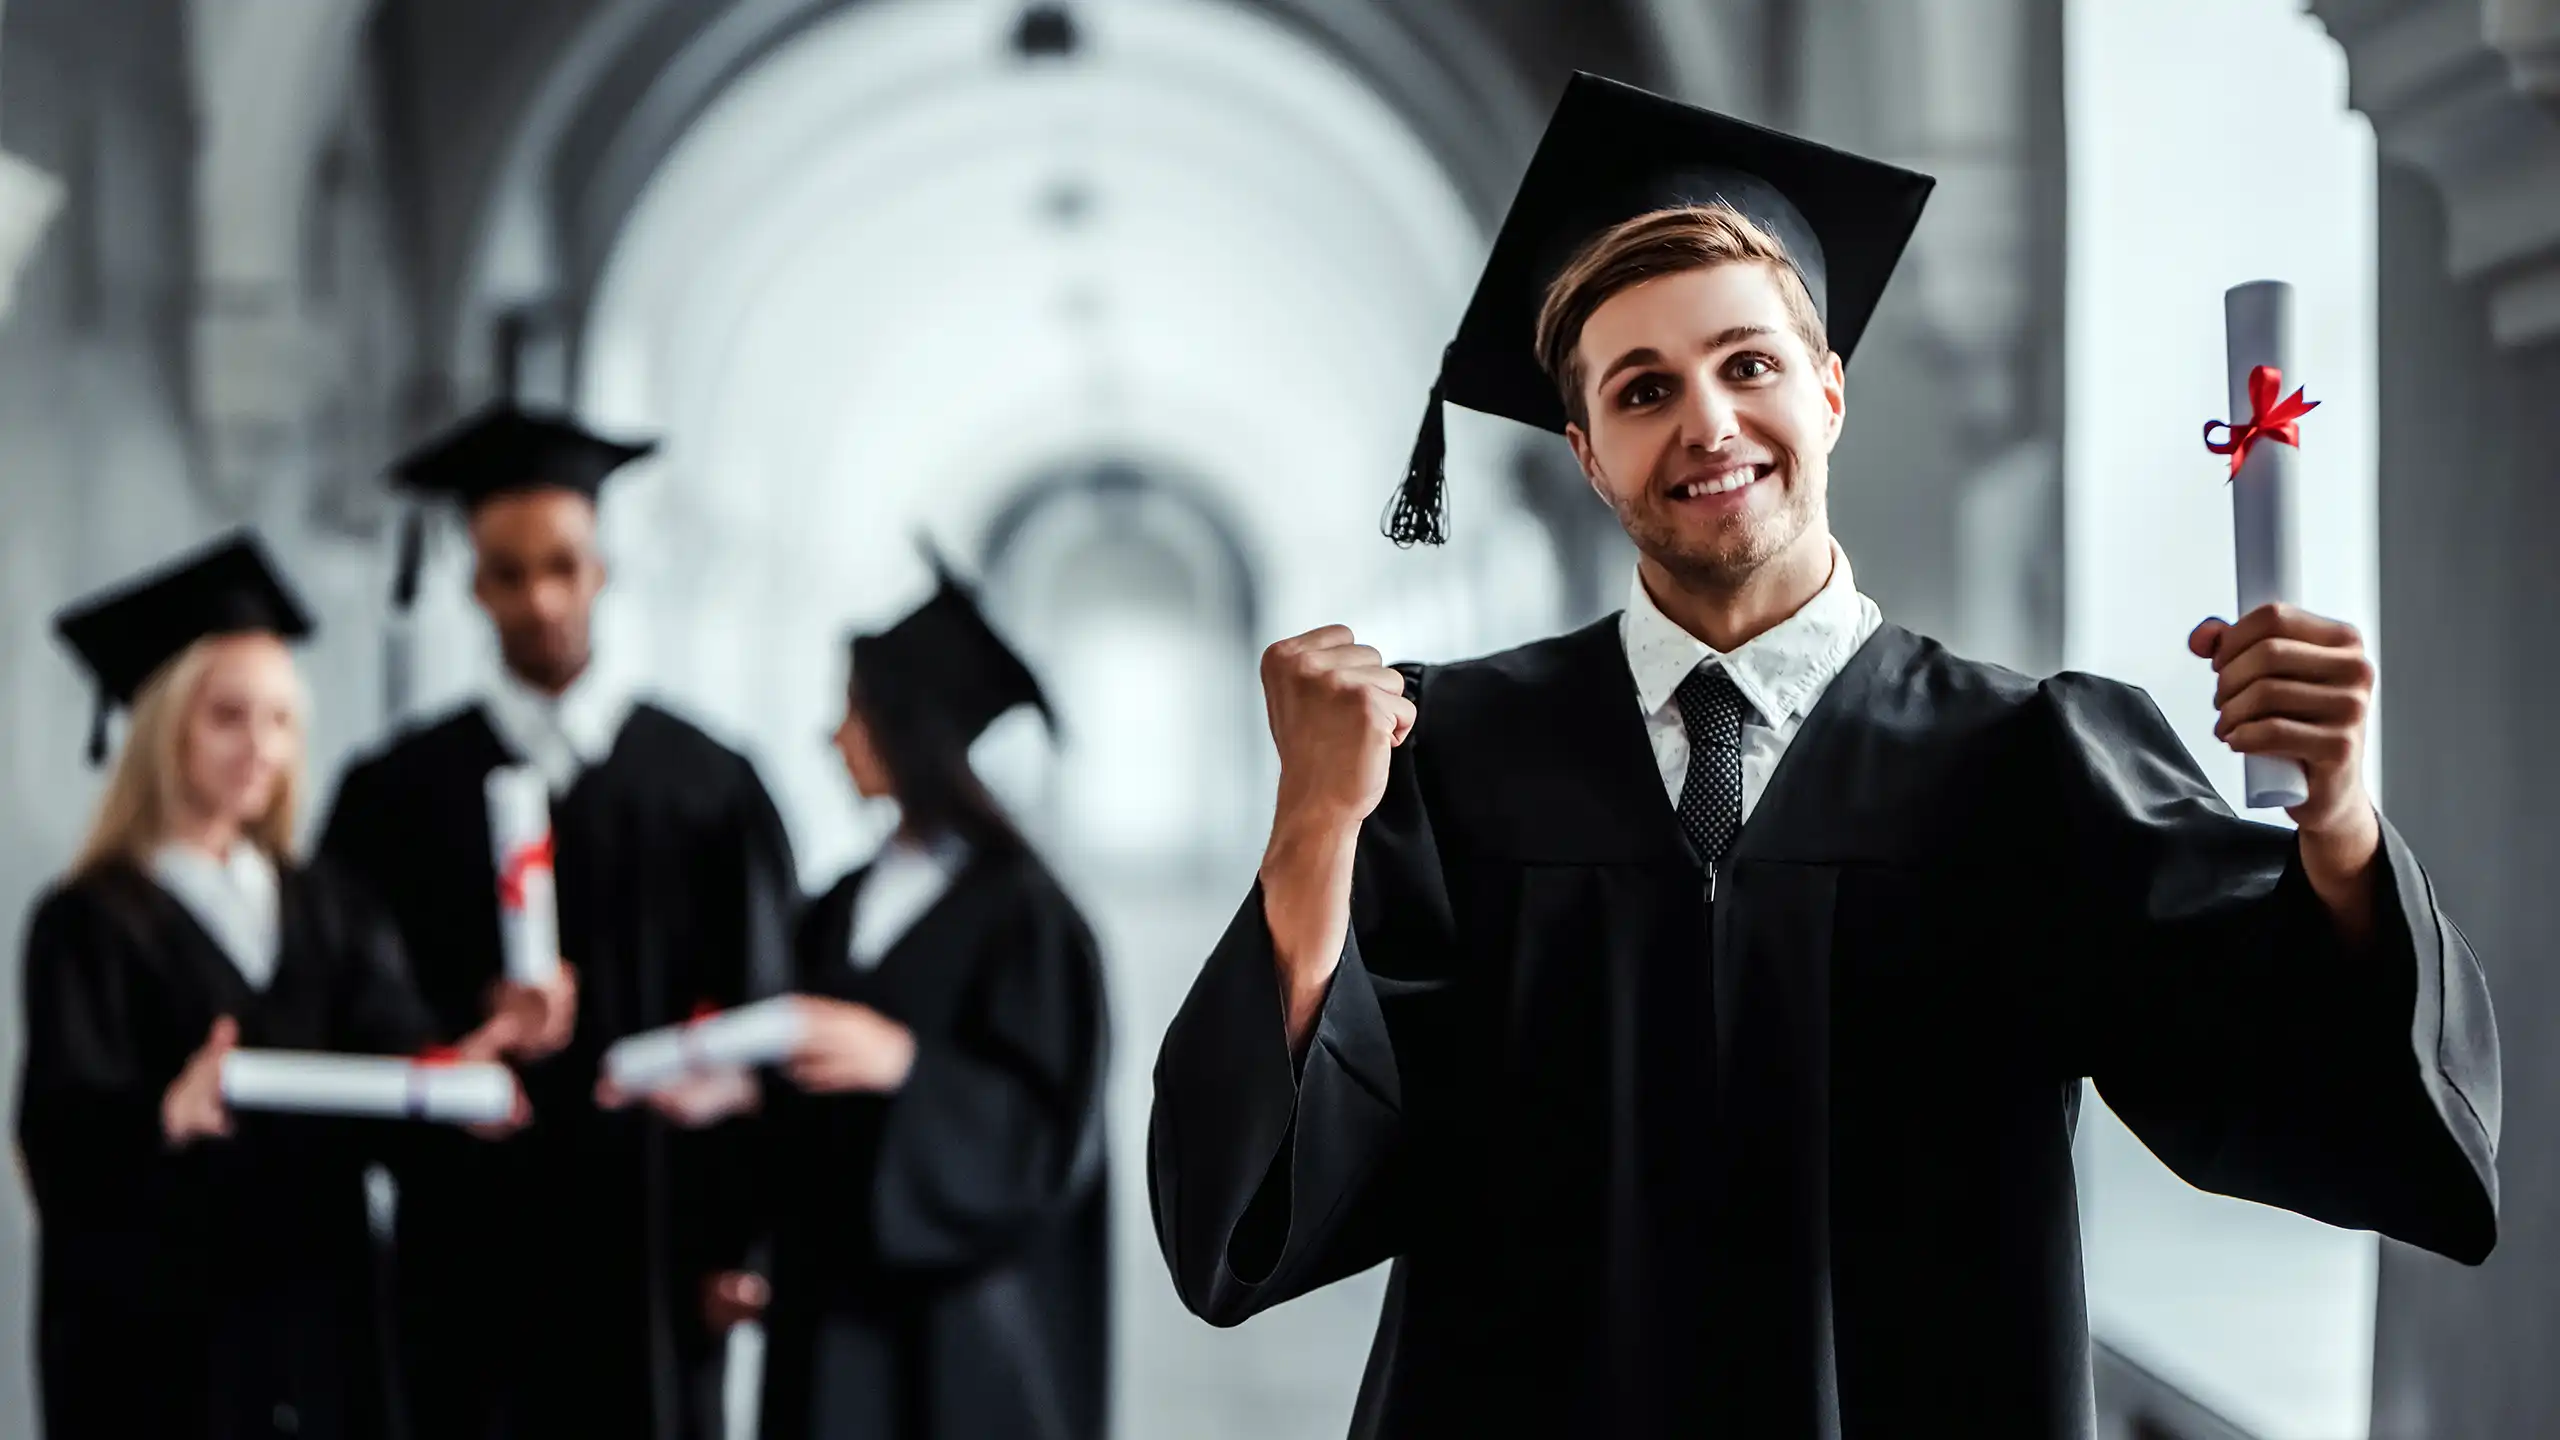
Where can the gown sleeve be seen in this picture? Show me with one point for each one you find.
(89, 1102)
(1269, 1177)
(2228, 1023)
(999, 1126)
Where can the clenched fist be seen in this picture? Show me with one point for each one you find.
(1336, 712)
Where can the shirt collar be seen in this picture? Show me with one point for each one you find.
(1781, 671)
(232, 897)
(944, 853)
(561, 735)
(244, 869)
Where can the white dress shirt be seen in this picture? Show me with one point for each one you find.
(233, 897)
(1781, 672)
(559, 737)
(906, 880)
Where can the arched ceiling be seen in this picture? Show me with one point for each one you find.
(534, 125)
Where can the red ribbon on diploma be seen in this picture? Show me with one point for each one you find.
(525, 860)
(2270, 419)
(689, 1039)
(433, 1057)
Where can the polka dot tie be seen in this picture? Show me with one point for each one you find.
(1711, 796)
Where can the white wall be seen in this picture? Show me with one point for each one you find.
(2210, 144)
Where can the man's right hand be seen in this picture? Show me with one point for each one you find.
(1337, 713)
(734, 1297)
(192, 1106)
(528, 1022)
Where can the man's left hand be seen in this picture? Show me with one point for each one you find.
(2299, 686)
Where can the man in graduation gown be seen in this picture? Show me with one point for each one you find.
(676, 890)
(1694, 1008)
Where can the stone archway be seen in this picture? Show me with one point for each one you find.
(1129, 587)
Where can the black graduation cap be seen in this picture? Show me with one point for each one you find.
(505, 449)
(946, 655)
(125, 634)
(1613, 152)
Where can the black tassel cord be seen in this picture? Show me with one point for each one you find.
(413, 551)
(1419, 515)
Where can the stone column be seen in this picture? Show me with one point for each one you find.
(29, 197)
(2464, 96)
(272, 81)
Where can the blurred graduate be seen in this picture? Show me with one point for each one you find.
(200, 1273)
(558, 1284)
(940, 1264)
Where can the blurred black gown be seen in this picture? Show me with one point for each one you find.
(941, 1255)
(224, 1289)
(595, 1231)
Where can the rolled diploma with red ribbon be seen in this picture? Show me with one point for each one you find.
(764, 1033)
(311, 1082)
(2257, 323)
(528, 897)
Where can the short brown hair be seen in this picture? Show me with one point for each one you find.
(1663, 242)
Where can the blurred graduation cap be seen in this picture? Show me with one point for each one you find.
(125, 634)
(505, 449)
(1611, 153)
(946, 655)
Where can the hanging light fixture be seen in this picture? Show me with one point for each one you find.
(1046, 32)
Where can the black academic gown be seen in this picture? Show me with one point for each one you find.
(552, 1285)
(941, 1263)
(225, 1289)
(1797, 1164)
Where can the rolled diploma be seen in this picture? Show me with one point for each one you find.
(388, 1086)
(764, 1033)
(528, 898)
(2257, 321)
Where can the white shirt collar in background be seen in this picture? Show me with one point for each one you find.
(233, 897)
(562, 737)
(905, 881)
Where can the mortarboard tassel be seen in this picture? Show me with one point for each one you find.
(413, 550)
(98, 731)
(1420, 512)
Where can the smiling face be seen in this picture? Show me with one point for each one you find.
(240, 738)
(1702, 395)
(1709, 421)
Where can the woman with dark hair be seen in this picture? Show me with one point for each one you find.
(939, 1262)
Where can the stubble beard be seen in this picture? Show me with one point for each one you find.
(1726, 558)
(549, 670)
